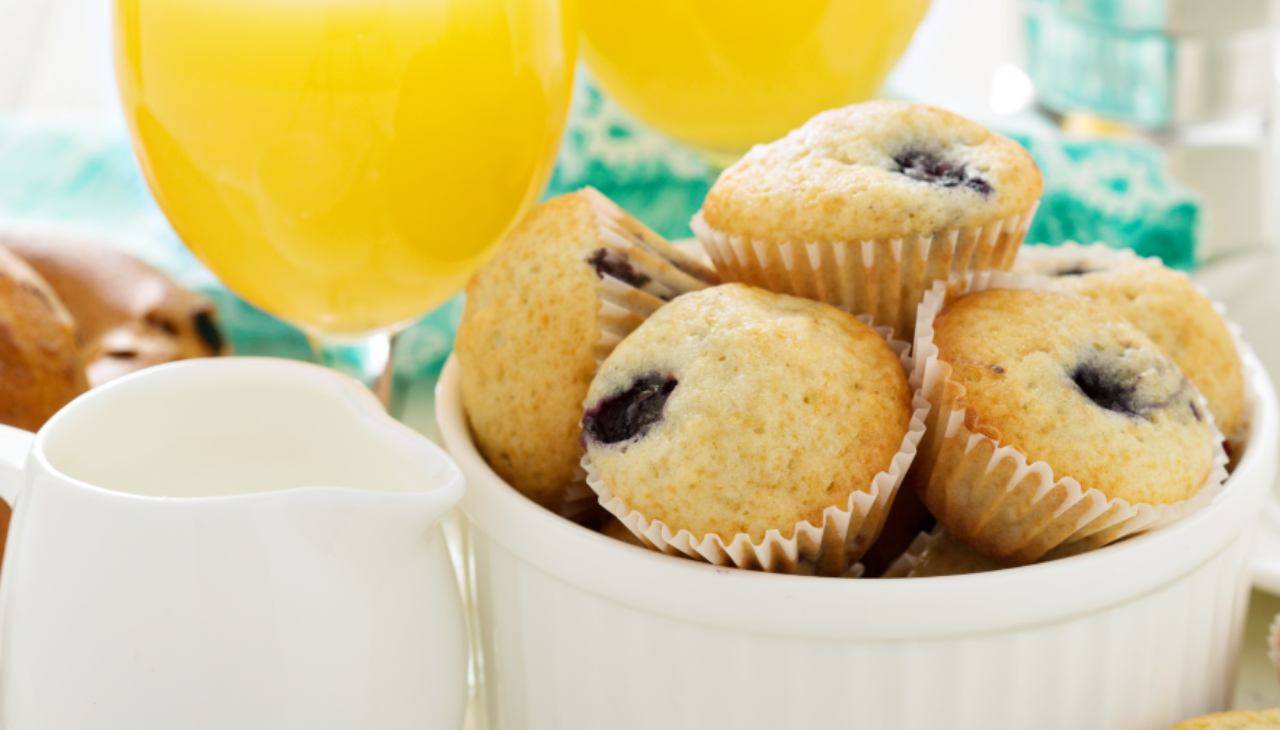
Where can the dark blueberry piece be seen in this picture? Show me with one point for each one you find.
(1107, 388)
(613, 263)
(208, 330)
(1077, 270)
(630, 413)
(977, 184)
(929, 168)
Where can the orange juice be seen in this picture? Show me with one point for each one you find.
(344, 164)
(722, 75)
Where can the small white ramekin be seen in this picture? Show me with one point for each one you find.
(579, 631)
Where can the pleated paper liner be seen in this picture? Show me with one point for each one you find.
(639, 272)
(830, 547)
(937, 553)
(882, 278)
(1072, 257)
(990, 495)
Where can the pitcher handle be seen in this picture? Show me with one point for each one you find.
(14, 445)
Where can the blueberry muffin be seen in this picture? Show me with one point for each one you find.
(129, 315)
(863, 207)
(1054, 378)
(564, 286)
(1235, 720)
(733, 413)
(1169, 309)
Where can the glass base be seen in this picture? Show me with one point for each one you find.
(369, 360)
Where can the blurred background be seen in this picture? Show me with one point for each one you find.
(1151, 119)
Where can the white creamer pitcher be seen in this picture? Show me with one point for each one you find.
(228, 543)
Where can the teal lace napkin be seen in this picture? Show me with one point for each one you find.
(1115, 191)
(1095, 190)
(86, 179)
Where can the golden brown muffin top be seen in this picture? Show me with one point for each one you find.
(736, 410)
(1069, 382)
(874, 170)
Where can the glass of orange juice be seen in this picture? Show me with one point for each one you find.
(345, 164)
(722, 75)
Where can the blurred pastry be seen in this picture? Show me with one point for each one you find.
(40, 365)
(128, 314)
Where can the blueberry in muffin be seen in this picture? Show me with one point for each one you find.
(736, 412)
(564, 286)
(1168, 308)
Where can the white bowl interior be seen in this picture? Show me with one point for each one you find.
(789, 604)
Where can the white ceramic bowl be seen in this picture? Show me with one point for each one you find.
(579, 631)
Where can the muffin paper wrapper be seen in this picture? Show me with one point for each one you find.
(990, 495)
(830, 547)
(923, 553)
(664, 272)
(904, 565)
(884, 278)
(1047, 260)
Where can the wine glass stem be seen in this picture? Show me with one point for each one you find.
(368, 360)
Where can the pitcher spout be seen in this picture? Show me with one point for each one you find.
(249, 427)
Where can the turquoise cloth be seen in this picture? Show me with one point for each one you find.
(1113, 191)
(1122, 74)
(87, 179)
(660, 182)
